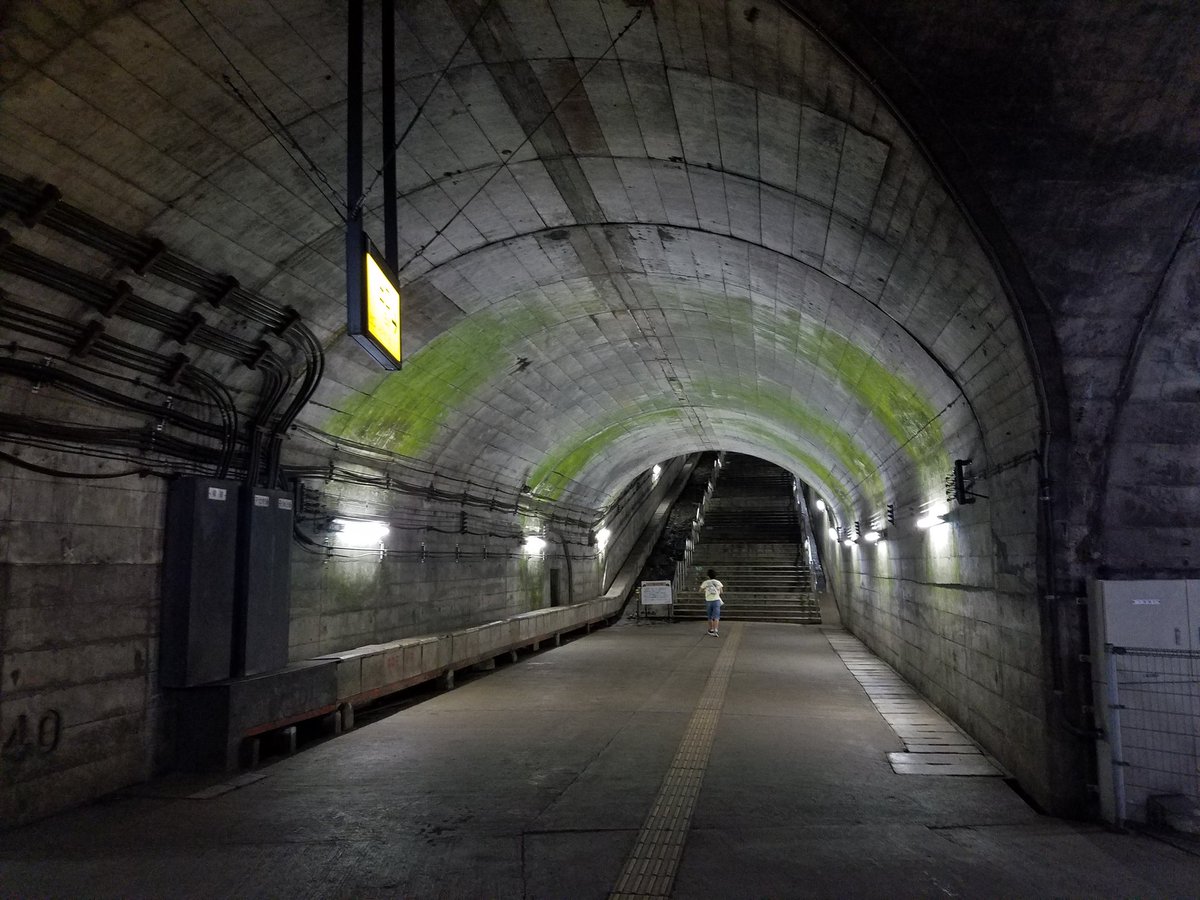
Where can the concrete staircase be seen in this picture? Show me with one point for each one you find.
(752, 537)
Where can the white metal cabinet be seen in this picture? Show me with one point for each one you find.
(1147, 695)
(1151, 614)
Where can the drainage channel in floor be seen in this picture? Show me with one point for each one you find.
(933, 745)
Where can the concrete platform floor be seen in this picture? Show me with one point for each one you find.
(536, 780)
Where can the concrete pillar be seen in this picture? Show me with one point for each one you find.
(446, 681)
(289, 739)
(512, 656)
(251, 752)
(346, 711)
(558, 640)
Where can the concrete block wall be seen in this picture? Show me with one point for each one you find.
(79, 624)
(368, 672)
(339, 603)
(955, 610)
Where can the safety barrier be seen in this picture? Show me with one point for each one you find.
(1152, 729)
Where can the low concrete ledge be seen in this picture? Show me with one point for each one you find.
(214, 719)
(218, 719)
(376, 670)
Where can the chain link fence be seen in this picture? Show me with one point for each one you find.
(1154, 726)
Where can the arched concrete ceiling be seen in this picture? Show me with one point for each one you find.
(628, 230)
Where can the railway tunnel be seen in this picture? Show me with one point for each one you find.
(936, 265)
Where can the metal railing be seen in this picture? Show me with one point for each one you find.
(689, 545)
(1153, 726)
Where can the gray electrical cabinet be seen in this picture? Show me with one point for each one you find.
(264, 598)
(1145, 614)
(199, 560)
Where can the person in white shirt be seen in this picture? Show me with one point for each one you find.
(712, 597)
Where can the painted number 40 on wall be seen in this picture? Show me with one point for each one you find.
(27, 738)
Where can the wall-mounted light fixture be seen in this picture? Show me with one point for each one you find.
(935, 516)
(820, 505)
(602, 538)
(873, 537)
(833, 534)
(359, 531)
(655, 473)
(534, 544)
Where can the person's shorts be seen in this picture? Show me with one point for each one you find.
(714, 609)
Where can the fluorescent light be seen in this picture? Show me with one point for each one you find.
(655, 473)
(833, 535)
(935, 516)
(849, 542)
(872, 537)
(602, 537)
(361, 531)
(820, 504)
(534, 544)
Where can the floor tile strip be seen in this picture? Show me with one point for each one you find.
(933, 745)
(650, 869)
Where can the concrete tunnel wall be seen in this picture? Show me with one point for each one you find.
(434, 582)
(629, 233)
(82, 578)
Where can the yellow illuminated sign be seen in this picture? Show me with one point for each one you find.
(383, 308)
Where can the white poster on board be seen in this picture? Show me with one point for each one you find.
(656, 593)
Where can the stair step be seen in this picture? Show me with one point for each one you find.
(753, 539)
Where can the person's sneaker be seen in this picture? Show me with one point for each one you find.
(710, 631)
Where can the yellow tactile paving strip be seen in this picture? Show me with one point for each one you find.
(650, 869)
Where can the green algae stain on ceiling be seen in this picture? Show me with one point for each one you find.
(560, 467)
(910, 420)
(405, 412)
(905, 415)
(776, 415)
(772, 405)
